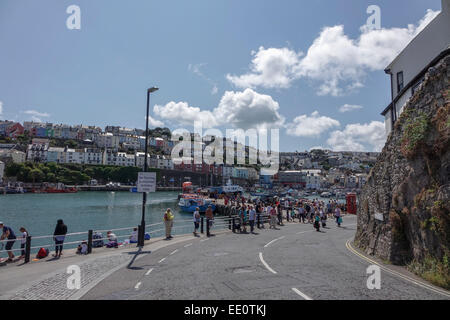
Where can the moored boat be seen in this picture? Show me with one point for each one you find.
(189, 202)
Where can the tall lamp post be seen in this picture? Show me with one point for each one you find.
(144, 194)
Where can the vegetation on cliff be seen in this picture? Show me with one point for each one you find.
(410, 186)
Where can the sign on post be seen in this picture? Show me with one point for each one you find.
(146, 182)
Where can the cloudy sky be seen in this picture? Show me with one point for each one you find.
(310, 68)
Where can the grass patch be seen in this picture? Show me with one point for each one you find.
(433, 270)
(414, 133)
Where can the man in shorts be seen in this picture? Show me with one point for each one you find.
(8, 233)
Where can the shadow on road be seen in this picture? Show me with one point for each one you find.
(136, 254)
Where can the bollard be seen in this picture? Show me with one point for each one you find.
(89, 250)
(258, 221)
(141, 235)
(207, 227)
(229, 224)
(28, 249)
(234, 224)
(201, 226)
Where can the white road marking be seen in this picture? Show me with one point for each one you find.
(161, 260)
(188, 245)
(204, 240)
(174, 251)
(137, 285)
(270, 243)
(149, 271)
(265, 264)
(301, 294)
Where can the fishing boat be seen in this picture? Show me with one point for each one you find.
(189, 202)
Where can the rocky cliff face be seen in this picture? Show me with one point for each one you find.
(409, 187)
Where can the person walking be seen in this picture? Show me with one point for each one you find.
(337, 214)
(287, 208)
(209, 220)
(279, 215)
(301, 214)
(317, 221)
(308, 210)
(196, 220)
(273, 217)
(244, 217)
(59, 236)
(323, 217)
(8, 233)
(251, 219)
(168, 222)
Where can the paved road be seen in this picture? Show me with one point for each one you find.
(294, 262)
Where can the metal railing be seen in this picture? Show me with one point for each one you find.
(93, 238)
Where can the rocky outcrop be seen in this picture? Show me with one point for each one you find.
(403, 213)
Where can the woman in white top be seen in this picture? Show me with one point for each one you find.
(134, 236)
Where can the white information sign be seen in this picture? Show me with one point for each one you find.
(146, 182)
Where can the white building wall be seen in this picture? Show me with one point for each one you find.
(426, 46)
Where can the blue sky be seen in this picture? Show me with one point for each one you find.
(276, 77)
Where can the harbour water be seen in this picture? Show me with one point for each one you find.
(83, 211)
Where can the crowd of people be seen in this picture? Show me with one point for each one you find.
(249, 213)
(312, 211)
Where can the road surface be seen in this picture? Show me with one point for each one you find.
(294, 262)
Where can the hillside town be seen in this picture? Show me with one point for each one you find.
(34, 142)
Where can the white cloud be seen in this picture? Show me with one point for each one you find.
(36, 116)
(243, 110)
(311, 126)
(336, 61)
(270, 68)
(195, 68)
(349, 107)
(248, 109)
(316, 148)
(152, 122)
(1, 107)
(356, 137)
(182, 113)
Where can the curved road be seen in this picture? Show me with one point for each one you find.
(294, 262)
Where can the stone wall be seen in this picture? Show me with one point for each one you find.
(410, 184)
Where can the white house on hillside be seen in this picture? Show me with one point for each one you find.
(408, 69)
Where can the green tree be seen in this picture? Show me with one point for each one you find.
(36, 175)
(71, 144)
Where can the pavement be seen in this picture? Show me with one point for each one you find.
(291, 263)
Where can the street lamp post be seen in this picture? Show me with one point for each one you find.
(144, 194)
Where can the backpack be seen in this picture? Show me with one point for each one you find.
(42, 253)
(97, 243)
(147, 236)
